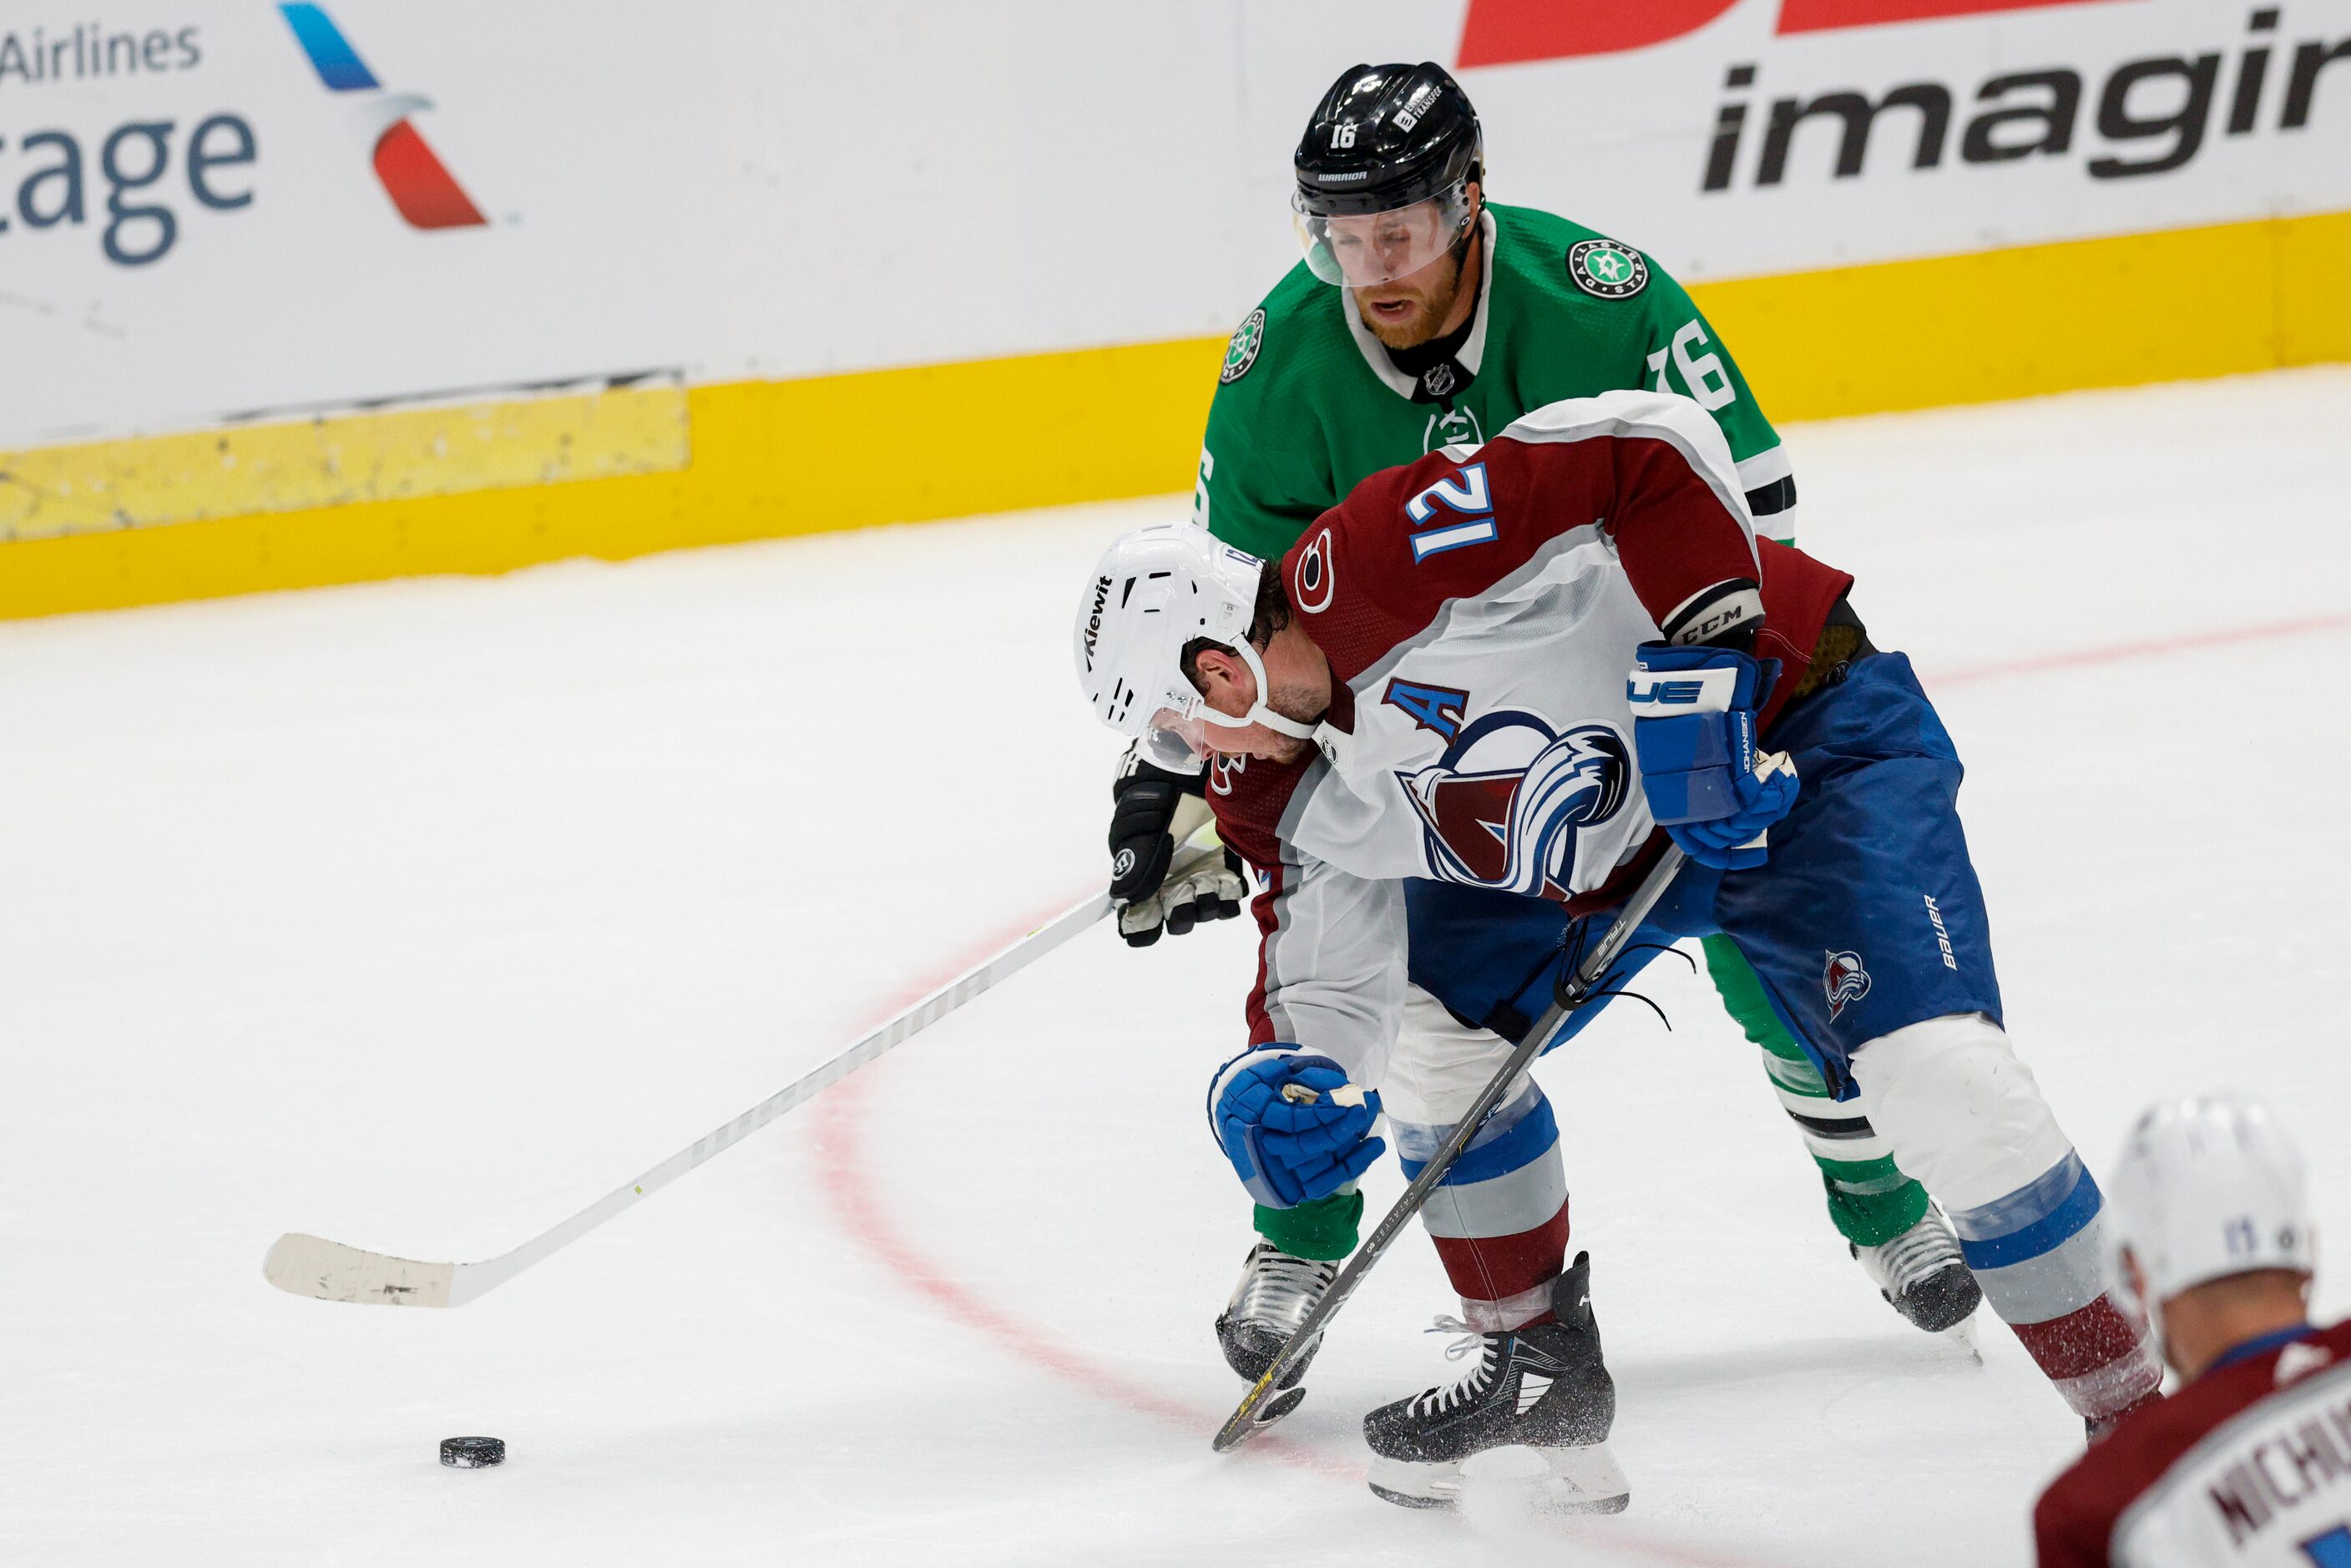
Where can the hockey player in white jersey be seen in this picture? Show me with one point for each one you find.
(2250, 1462)
(1431, 690)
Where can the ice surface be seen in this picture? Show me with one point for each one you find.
(416, 916)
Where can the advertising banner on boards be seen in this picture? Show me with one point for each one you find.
(1744, 137)
(604, 276)
(213, 212)
(210, 212)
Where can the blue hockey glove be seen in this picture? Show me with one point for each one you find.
(1291, 1134)
(1694, 731)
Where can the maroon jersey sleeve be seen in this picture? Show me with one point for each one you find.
(1649, 472)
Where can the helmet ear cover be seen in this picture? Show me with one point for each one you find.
(1156, 591)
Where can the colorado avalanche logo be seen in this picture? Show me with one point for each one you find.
(1845, 981)
(1503, 805)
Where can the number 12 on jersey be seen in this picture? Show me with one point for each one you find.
(1466, 496)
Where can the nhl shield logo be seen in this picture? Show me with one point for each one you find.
(1845, 981)
(1505, 806)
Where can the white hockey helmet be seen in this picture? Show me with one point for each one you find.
(1154, 590)
(2208, 1187)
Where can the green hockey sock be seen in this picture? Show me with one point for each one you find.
(1324, 1229)
(1869, 1198)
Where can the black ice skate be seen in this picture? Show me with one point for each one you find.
(1922, 1275)
(1543, 1388)
(1275, 1293)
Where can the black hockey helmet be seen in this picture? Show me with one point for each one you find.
(1384, 138)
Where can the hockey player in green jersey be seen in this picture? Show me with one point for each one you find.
(1425, 317)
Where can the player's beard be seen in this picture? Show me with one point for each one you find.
(1301, 704)
(1434, 289)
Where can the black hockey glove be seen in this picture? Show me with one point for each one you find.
(1152, 810)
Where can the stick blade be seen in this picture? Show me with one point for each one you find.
(1244, 1423)
(329, 1272)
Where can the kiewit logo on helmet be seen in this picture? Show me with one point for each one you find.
(1093, 621)
(420, 185)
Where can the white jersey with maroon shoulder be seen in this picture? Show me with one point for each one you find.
(1481, 610)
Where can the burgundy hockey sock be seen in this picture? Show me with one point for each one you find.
(1504, 1281)
(2099, 1357)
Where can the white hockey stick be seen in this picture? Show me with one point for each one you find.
(311, 1266)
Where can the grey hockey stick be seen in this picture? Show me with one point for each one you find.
(331, 1271)
(1243, 1424)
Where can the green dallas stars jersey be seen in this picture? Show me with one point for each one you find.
(1310, 405)
(1310, 402)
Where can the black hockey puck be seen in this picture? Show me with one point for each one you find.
(473, 1453)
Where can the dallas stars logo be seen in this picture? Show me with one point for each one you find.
(1603, 267)
(1241, 352)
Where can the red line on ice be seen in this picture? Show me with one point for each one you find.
(854, 1196)
(849, 1189)
(2144, 648)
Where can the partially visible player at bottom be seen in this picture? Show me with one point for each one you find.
(1430, 694)
(2250, 1462)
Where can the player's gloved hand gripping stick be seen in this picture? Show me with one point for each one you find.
(1694, 731)
(1578, 990)
(331, 1271)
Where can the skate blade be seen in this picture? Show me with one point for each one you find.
(1590, 1481)
(1961, 1336)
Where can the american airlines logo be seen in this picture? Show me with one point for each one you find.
(421, 187)
(1505, 32)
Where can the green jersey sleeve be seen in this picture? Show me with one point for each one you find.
(1266, 464)
(1685, 356)
(1250, 491)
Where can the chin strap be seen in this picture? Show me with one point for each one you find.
(1258, 713)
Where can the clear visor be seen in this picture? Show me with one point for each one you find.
(1360, 250)
(1197, 727)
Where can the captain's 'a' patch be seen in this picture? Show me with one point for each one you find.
(1241, 352)
(1606, 268)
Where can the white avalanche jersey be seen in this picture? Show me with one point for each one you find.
(2248, 1467)
(1482, 608)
